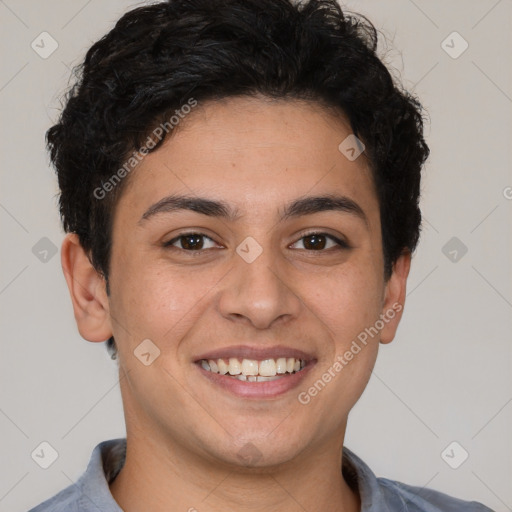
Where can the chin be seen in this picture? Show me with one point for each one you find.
(256, 456)
(257, 449)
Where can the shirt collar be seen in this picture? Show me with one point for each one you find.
(105, 460)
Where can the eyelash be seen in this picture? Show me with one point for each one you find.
(341, 243)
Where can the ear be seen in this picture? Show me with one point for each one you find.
(88, 291)
(394, 297)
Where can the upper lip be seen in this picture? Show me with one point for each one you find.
(257, 353)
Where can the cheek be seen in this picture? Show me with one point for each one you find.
(348, 300)
(348, 309)
(161, 302)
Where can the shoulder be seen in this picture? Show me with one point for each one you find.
(384, 495)
(422, 499)
(91, 491)
(65, 501)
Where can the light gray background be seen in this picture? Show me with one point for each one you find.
(447, 375)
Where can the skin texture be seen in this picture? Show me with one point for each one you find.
(184, 434)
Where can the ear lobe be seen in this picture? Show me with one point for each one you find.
(394, 297)
(88, 292)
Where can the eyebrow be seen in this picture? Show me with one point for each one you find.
(214, 208)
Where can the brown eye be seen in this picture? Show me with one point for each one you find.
(192, 242)
(315, 242)
(189, 242)
(320, 241)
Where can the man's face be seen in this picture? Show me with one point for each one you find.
(257, 286)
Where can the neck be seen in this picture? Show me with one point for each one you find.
(160, 474)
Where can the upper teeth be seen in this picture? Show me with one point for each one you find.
(265, 368)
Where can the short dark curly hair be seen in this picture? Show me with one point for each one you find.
(159, 56)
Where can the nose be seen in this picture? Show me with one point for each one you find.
(259, 293)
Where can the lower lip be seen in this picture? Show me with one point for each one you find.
(269, 389)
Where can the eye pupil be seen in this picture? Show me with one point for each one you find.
(195, 240)
(316, 242)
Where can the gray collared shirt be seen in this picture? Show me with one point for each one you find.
(91, 492)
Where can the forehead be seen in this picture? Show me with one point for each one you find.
(253, 152)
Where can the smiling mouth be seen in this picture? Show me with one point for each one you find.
(252, 370)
